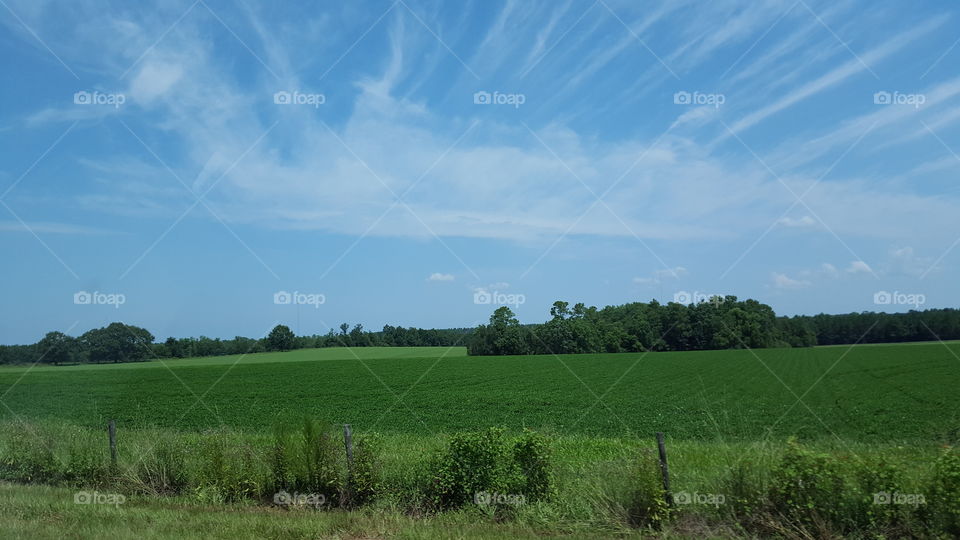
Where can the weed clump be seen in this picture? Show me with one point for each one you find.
(490, 470)
(365, 480)
(945, 491)
(307, 465)
(808, 487)
(227, 470)
(648, 500)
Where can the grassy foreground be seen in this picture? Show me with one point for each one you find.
(50, 512)
(224, 481)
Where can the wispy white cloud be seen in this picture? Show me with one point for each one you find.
(339, 168)
(658, 276)
(837, 75)
(791, 42)
(805, 221)
(154, 80)
(859, 267)
(704, 38)
(783, 281)
(888, 126)
(899, 262)
(69, 113)
(902, 261)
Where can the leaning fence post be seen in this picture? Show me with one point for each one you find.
(112, 431)
(664, 470)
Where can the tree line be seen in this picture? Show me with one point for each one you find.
(119, 342)
(868, 327)
(719, 323)
(116, 342)
(281, 338)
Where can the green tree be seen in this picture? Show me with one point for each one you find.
(281, 338)
(359, 338)
(117, 342)
(559, 311)
(503, 336)
(56, 348)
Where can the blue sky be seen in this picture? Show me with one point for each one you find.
(188, 163)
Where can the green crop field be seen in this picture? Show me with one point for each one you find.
(300, 355)
(199, 440)
(868, 393)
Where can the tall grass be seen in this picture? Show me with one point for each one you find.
(568, 483)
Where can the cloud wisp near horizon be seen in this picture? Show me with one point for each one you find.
(399, 156)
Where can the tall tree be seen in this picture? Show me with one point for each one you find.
(281, 338)
(56, 348)
(117, 342)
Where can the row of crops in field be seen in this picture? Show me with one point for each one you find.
(876, 393)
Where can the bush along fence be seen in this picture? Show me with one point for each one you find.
(799, 493)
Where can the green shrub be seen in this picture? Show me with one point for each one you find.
(878, 482)
(366, 479)
(808, 489)
(28, 458)
(319, 472)
(487, 468)
(531, 452)
(648, 501)
(472, 463)
(945, 492)
(86, 465)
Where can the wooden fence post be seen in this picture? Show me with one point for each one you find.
(112, 430)
(664, 470)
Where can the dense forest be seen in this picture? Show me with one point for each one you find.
(719, 323)
(868, 327)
